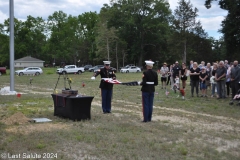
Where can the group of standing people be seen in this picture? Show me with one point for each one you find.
(173, 75)
(219, 77)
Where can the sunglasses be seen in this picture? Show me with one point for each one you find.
(107, 64)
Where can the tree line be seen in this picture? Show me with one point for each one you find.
(125, 31)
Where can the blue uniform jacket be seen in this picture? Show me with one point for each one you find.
(105, 73)
(149, 81)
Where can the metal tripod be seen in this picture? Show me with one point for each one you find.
(65, 78)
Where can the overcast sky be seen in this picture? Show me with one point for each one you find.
(210, 18)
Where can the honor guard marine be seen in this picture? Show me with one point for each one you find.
(106, 88)
(149, 81)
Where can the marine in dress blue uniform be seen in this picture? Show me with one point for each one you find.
(106, 88)
(149, 81)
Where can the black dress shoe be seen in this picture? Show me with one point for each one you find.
(108, 112)
(104, 112)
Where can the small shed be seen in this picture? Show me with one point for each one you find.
(28, 62)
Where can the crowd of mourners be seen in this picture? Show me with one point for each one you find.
(219, 79)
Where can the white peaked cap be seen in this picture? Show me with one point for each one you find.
(149, 63)
(106, 62)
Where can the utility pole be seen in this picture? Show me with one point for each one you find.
(11, 11)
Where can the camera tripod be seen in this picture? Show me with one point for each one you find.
(65, 78)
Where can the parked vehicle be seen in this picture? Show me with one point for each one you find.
(2, 70)
(29, 70)
(70, 69)
(129, 65)
(132, 69)
(86, 67)
(95, 68)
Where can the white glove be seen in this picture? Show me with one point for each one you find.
(93, 78)
(139, 82)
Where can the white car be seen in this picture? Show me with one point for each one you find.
(70, 69)
(132, 69)
(29, 71)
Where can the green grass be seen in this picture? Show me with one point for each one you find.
(195, 128)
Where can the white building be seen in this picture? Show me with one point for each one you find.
(28, 62)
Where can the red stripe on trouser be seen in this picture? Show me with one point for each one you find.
(142, 105)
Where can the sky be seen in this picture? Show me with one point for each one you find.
(210, 18)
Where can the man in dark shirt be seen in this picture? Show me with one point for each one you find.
(149, 81)
(106, 88)
(176, 70)
(220, 78)
(235, 78)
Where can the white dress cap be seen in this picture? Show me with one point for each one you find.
(106, 62)
(149, 63)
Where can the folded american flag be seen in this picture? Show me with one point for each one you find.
(110, 80)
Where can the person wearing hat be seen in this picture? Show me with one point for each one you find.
(106, 88)
(164, 74)
(149, 81)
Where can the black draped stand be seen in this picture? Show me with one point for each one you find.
(74, 107)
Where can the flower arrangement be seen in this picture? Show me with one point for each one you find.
(69, 80)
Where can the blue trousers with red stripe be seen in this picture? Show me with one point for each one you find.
(106, 100)
(147, 103)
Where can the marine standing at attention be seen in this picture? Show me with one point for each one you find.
(149, 81)
(106, 88)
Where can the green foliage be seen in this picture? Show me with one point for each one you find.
(230, 27)
(125, 31)
(142, 24)
(185, 24)
(40, 146)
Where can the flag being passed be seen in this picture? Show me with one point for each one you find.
(110, 80)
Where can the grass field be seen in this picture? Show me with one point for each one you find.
(194, 128)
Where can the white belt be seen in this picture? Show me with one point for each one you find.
(149, 82)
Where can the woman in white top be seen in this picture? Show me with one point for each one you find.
(164, 74)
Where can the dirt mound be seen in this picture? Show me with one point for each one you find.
(17, 118)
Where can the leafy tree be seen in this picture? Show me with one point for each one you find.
(105, 38)
(4, 46)
(185, 22)
(71, 37)
(57, 47)
(88, 21)
(230, 26)
(29, 36)
(142, 24)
